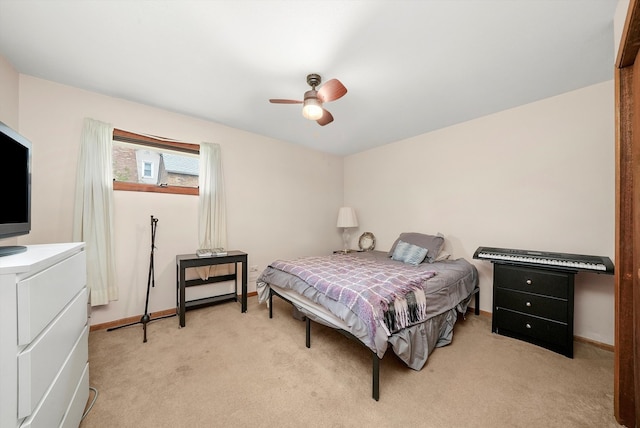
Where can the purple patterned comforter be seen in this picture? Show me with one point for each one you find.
(364, 286)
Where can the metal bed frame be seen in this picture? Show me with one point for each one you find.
(375, 359)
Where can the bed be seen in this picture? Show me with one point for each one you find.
(403, 299)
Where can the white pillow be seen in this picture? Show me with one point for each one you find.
(442, 256)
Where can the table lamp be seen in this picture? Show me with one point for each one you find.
(346, 219)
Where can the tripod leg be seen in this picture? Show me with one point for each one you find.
(150, 280)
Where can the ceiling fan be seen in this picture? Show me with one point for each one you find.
(312, 105)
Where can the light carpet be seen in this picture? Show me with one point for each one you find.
(228, 369)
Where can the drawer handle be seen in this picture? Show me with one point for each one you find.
(529, 282)
(528, 304)
(528, 325)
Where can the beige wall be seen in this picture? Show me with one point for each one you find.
(8, 94)
(539, 177)
(282, 199)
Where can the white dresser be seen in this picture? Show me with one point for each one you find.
(44, 356)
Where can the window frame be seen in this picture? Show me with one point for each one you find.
(157, 143)
(144, 169)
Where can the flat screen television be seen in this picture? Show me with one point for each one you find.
(15, 190)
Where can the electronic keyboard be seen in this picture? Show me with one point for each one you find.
(563, 261)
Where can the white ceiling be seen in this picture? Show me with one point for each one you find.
(410, 66)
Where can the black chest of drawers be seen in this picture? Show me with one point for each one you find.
(534, 305)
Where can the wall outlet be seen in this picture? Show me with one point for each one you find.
(253, 272)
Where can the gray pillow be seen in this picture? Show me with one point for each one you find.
(432, 243)
(409, 253)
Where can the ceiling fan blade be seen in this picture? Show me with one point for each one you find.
(331, 90)
(279, 101)
(326, 118)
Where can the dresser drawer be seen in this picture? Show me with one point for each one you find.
(544, 282)
(73, 417)
(532, 304)
(65, 387)
(40, 362)
(42, 296)
(533, 327)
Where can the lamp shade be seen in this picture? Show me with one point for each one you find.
(312, 109)
(347, 217)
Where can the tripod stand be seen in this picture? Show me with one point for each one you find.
(151, 282)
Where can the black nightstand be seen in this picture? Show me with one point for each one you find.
(534, 305)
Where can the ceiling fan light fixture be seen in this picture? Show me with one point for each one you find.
(312, 109)
(313, 100)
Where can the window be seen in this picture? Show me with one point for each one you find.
(152, 164)
(146, 169)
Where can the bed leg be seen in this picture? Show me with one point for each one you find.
(308, 333)
(376, 376)
(270, 303)
(477, 308)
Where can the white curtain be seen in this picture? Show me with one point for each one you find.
(93, 215)
(212, 219)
